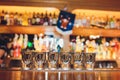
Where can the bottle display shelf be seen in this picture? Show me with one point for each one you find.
(76, 31)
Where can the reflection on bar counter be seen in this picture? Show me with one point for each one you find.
(41, 51)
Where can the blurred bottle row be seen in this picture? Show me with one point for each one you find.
(108, 21)
(25, 19)
(105, 48)
(40, 43)
(50, 19)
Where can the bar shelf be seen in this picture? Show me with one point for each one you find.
(76, 31)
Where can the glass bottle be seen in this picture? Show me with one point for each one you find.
(46, 19)
(25, 41)
(117, 24)
(30, 18)
(11, 18)
(7, 18)
(54, 21)
(25, 19)
(34, 19)
(84, 20)
(50, 19)
(41, 19)
(37, 18)
(16, 18)
(2, 17)
(20, 20)
(112, 22)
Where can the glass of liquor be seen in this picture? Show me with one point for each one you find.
(39, 60)
(89, 61)
(26, 58)
(53, 60)
(65, 58)
(78, 61)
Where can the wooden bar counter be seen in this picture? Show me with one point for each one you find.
(96, 74)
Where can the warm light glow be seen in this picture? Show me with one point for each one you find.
(22, 9)
(97, 13)
(94, 36)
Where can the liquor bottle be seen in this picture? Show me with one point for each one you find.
(54, 21)
(3, 22)
(104, 48)
(40, 42)
(16, 47)
(41, 19)
(30, 18)
(79, 45)
(84, 20)
(11, 18)
(50, 19)
(93, 21)
(78, 21)
(36, 43)
(7, 18)
(46, 19)
(34, 19)
(46, 45)
(102, 22)
(91, 46)
(117, 24)
(25, 41)
(88, 21)
(16, 18)
(37, 18)
(30, 43)
(20, 20)
(20, 40)
(112, 22)
(25, 19)
(115, 46)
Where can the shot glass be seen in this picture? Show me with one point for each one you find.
(65, 58)
(53, 60)
(89, 61)
(78, 61)
(39, 59)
